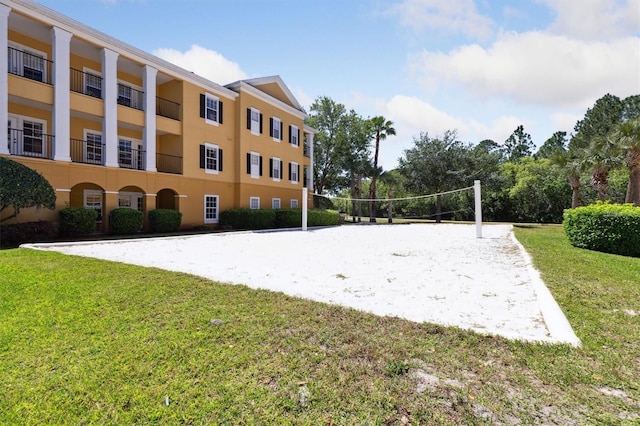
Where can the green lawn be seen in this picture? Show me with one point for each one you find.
(84, 341)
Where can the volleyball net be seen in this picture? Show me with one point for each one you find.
(463, 204)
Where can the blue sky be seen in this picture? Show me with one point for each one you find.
(482, 67)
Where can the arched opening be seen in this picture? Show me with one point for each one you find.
(90, 196)
(166, 199)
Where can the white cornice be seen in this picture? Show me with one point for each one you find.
(243, 86)
(53, 18)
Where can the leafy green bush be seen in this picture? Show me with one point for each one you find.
(164, 220)
(317, 217)
(27, 232)
(288, 218)
(605, 227)
(125, 221)
(248, 218)
(76, 221)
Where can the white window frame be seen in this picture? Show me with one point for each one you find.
(211, 212)
(215, 108)
(295, 167)
(294, 203)
(275, 203)
(294, 136)
(86, 83)
(277, 127)
(255, 167)
(130, 200)
(254, 203)
(86, 151)
(135, 152)
(89, 194)
(275, 166)
(19, 66)
(215, 158)
(255, 121)
(19, 121)
(133, 100)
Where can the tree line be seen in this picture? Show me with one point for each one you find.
(599, 160)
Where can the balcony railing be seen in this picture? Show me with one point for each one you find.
(305, 150)
(169, 163)
(129, 158)
(130, 97)
(88, 152)
(86, 83)
(28, 65)
(167, 108)
(28, 143)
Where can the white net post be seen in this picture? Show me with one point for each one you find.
(478, 207)
(304, 208)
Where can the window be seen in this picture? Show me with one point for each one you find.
(210, 209)
(275, 129)
(32, 142)
(27, 63)
(294, 203)
(93, 84)
(294, 135)
(124, 95)
(93, 148)
(275, 203)
(275, 167)
(254, 203)
(254, 121)
(210, 158)
(294, 172)
(254, 164)
(211, 109)
(130, 153)
(93, 200)
(130, 200)
(305, 178)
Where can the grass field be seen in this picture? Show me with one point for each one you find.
(84, 341)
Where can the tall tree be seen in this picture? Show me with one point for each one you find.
(518, 145)
(381, 128)
(599, 120)
(356, 155)
(602, 156)
(328, 117)
(555, 145)
(627, 136)
(436, 165)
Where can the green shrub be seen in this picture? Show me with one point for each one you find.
(22, 187)
(27, 232)
(605, 227)
(248, 218)
(318, 217)
(164, 220)
(125, 221)
(288, 218)
(76, 221)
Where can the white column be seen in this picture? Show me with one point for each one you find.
(304, 208)
(4, 77)
(149, 134)
(310, 183)
(110, 91)
(61, 86)
(478, 207)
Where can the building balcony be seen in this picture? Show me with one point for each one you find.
(30, 66)
(30, 143)
(87, 152)
(169, 163)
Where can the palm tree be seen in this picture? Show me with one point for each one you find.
(381, 129)
(627, 136)
(573, 165)
(602, 155)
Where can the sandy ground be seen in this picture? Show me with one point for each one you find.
(436, 273)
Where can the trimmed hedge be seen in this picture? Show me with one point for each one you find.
(164, 220)
(125, 221)
(279, 218)
(77, 221)
(605, 227)
(248, 218)
(27, 232)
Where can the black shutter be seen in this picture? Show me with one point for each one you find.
(202, 105)
(281, 128)
(271, 126)
(282, 170)
(298, 138)
(298, 171)
(260, 123)
(248, 163)
(290, 134)
(202, 157)
(220, 112)
(289, 171)
(261, 165)
(219, 160)
(249, 118)
(270, 167)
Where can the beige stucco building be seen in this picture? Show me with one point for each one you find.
(109, 125)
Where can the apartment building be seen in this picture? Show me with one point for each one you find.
(109, 125)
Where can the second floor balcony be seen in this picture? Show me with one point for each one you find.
(30, 143)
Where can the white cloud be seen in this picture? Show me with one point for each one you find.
(595, 19)
(204, 62)
(500, 129)
(451, 16)
(537, 68)
(565, 121)
(413, 113)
